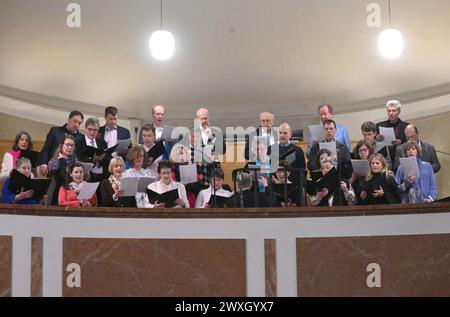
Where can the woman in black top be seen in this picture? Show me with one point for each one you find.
(110, 187)
(379, 186)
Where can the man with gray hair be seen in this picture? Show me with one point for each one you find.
(393, 108)
(86, 153)
(265, 129)
(209, 135)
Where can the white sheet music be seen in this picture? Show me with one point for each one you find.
(330, 146)
(122, 145)
(87, 190)
(129, 186)
(360, 167)
(188, 173)
(317, 132)
(410, 166)
(389, 135)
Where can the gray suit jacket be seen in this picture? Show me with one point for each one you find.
(428, 155)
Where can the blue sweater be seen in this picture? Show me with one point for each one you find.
(425, 186)
(8, 196)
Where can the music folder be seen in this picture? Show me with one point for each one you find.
(329, 181)
(168, 197)
(90, 151)
(278, 190)
(31, 155)
(19, 182)
(222, 197)
(221, 201)
(156, 150)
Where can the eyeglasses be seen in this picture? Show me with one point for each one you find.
(92, 130)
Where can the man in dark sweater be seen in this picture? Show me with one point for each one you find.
(393, 108)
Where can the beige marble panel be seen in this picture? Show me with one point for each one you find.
(5, 266)
(152, 267)
(410, 266)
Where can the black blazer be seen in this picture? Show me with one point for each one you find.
(122, 133)
(107, 199)
(52, 141)
(82, 156)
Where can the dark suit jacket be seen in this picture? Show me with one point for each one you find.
(122, 133)
(249, 139)
(399, 130)
(428, 155)
(52, 141)
(82, 156)
(249, 200)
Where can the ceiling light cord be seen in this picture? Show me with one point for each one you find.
(161, 14)
(389, 13)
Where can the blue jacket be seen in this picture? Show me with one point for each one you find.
(426, 184)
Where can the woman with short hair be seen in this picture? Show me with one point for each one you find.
(423, 189)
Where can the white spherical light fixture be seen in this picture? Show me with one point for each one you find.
(390, 43)
(162, 45)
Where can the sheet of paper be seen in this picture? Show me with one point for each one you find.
(122, 145)
(410, 166)
(87, 190)
(317, 132)
(87, 167)
(330, 146)
(360, 167)
(144, 182)
(188, 173)
(388, 134)
(129, 186)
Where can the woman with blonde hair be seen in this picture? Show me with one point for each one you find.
(110, 187)
(137, 156)
(379, 186)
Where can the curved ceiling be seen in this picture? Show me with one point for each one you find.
(236, 57)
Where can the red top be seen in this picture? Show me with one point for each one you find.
(68, 197)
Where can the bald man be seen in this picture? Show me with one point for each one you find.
(209, 135)
(296, 159)
(428, 152)
(265, 129)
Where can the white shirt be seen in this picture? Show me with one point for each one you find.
(205, 195)
(269, 136)
(90, 142)
(97, 169)
(160, 187)
(158, 133)
(111, 136)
